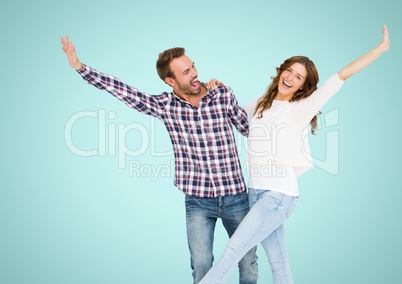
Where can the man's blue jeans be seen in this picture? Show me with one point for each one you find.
(201, 217)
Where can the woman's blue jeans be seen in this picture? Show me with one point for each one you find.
(201, 217)
(263, 224)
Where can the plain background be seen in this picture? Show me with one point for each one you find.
(75, 218)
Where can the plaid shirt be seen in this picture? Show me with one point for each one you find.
(206, 158)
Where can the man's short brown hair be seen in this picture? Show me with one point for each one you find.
(164, 59)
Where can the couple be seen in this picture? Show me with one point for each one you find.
(208, 171)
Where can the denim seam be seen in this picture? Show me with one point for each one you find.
(284, 276)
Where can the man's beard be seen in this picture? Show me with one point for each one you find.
(188, 90)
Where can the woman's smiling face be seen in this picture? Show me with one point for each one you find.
(291, 80)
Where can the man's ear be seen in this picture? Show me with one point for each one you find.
(170, 81)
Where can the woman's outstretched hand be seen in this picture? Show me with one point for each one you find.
(385, 39)
(363, 61)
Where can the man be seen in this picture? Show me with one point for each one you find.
(207, 167)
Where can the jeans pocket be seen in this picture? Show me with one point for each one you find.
(192, 202)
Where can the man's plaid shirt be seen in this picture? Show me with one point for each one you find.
(206, 158)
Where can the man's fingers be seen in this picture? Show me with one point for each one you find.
(67, 45)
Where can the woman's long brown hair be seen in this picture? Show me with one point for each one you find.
(310, 85)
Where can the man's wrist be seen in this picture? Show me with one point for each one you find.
(78, 66)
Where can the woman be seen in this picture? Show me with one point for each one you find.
(278, 154)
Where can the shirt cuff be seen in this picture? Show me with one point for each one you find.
(85, 70)
(339, 79)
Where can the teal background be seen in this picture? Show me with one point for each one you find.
(66, 218)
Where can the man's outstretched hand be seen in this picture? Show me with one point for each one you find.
(69, 50)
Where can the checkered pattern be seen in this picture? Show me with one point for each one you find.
(206, 158)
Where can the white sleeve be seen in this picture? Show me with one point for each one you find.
(250, 107)
(322, 95)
